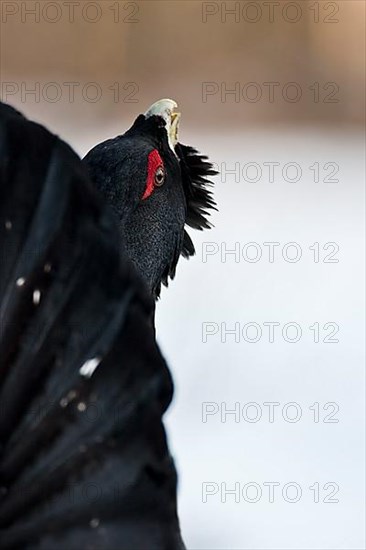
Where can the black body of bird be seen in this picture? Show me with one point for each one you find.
(84, 462)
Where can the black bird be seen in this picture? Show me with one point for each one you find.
(84, 462)
(155, 185)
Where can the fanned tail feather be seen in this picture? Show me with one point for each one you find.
(84, 462)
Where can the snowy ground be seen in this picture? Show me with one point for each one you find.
(326, 443)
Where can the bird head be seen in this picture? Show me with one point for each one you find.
(156, 186)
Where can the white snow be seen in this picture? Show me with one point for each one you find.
(324, 380)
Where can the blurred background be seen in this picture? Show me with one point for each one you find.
(273, 92)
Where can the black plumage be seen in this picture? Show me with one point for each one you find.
(153, 230)
(84, 461)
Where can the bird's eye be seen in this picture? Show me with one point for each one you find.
(159, 176)
(155, 173)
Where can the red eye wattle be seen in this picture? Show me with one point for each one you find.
(155, 169)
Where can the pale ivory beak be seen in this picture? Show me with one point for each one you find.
(166, 109)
